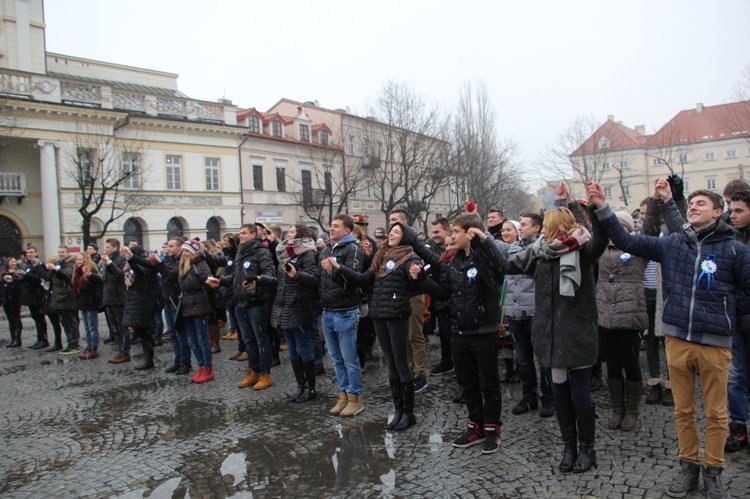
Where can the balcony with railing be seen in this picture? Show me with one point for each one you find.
(12, 185)
(103, 94)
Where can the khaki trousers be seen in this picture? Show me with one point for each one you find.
(685, 360)
(417, 345)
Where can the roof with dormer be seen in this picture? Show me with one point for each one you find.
(705, 124)
(618, 136)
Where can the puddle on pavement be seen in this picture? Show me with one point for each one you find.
(190, 417)
(357, 457)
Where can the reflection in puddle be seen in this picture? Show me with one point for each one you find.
(236, 466)
(166, 490)
(436, 441)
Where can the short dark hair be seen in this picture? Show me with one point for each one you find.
(93, 245)
(346, 220)
(536, 218)
(443, 222)
(133, 241)
(30, 248)
(402, 211)
(742, 195)
(734, 185)
(115, 243)
(252, 228)
(468, 220)
(645, 201)
(495, 210)
(717, 200)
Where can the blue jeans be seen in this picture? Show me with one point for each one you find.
(91, 326)
(197, 335)
(576, 389)
(157, 323)
(232, 319)
(340, 329)
(737, 386)
(253, 322)
(179, 340)
(298, 341)
(315, 341)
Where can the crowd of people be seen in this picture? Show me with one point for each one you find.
(567, 291)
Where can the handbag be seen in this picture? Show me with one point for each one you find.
(179, 319)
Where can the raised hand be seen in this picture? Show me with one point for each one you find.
(474, 232)
(595, 194)
(662, 191)
(414, 270)
(366, 246)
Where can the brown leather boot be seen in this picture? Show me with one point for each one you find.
(214, 338)
(251, 379)
(264, 382)
(340, 404)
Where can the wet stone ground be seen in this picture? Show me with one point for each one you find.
(73, 428)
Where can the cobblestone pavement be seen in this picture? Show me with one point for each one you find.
(73, 428)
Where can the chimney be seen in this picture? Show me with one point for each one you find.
(299, 110)
(699, 108)
(224, 101)
(640, 129)
(611, 117)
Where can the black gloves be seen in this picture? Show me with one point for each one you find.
(677, 186)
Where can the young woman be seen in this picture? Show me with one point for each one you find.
(296, 279)
(87, 290)
(510, 234)
(196, 308)
(390, 310)
(11, 298)
(218, 312)
(564, 330)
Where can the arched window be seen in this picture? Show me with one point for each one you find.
(213, 229)
(10, 238)
(133, 230)
(174, 228)
(254, 124)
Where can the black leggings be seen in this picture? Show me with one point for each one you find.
(393, 336)
(13, 314)
(622, 348)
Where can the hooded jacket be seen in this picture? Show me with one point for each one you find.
(113, 275)
(292, 307)
(253, 259)
(693, 309)
(139, 304)
(61, 286)
(195, 300)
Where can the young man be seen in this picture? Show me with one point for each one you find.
(519, 310)
(737, 400)
(495, 220)
(253, 261)
(703, 269)
(93, 250)
(472, 282)
(113, 275)
(440, 230)
(417, 342)
(32, 295)
(340, 303)
(63, 303)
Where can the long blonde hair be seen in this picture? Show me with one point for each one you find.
(78, 274)
(559, 221)
(186, 261)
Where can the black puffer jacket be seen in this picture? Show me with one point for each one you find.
(139, 303)
(32, 292)
(195, 300)
(10, 292)
(253, 260)
(391, 293)
(293, 305)
(169, 269)
(113, 276)
(336, 292)
(472, 283)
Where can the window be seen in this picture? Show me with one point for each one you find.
(368, 189)
(590, 167)
(175, 228)
(276, 128)
(710, 156)
(304, 133)
(603, 142)
(258, 177)
(711, 183)
(684, 158)
(280, 178)
(732, 153)
(626, 190)
(174, 173)
(329, 184)
(606, 166)
(254, 124)
(624, 164)
(212, 174)
(685, 183)
(131, 170)
(608, 192)
(85, 165)
(213, 229)
(352, 145)
(306, 187)
(366, 147)
(655, 161)
(380, 149)
(324, 137)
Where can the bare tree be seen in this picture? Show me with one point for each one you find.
(481, 168)
(738, 116)
(670, 147)
(578, 154)
(404, 150)
(108, 172)
(325, 184)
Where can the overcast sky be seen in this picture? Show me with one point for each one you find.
(544, 63)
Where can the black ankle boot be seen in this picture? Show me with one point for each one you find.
(299, 376)
(566, 418)
(586, 418)
(147, 342)
(309, 393)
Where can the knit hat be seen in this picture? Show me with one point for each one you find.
(516, 225)
(625, 219)
(193, 245)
